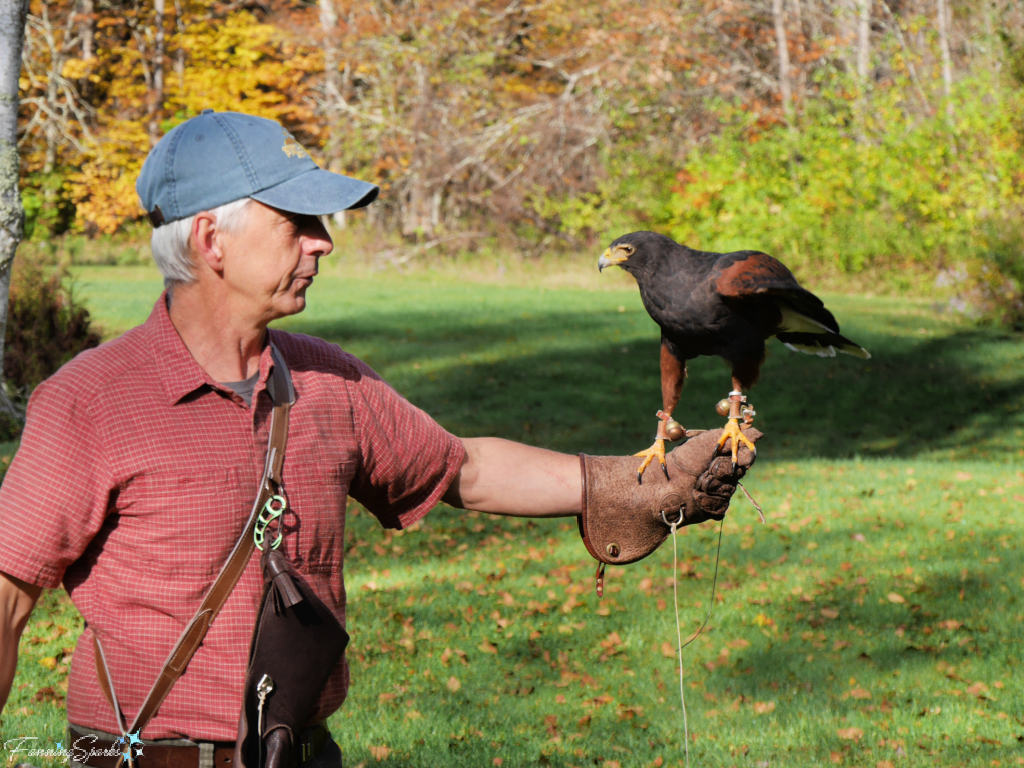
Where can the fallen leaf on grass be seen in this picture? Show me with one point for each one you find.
(840, 644)
(763, 707)
(487, 647)
(963, 477)
(854, 734)
(884, 764)
(453, 684)
(658, 761)
(413, 714)
(551, 723)
(951, 624)
(829, 613)
(380, 753)
(560, 699)
(48, 694)
(739, 644)
(611, 764)
(497, 761)
(835, 757)
(895, 597)
(858, 693)
(978, 689)
(384, 698)
(49, 662)
(668, 650)
(613, 640)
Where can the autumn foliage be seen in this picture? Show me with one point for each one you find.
(564, 121)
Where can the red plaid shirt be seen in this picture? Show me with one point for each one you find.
(135, 477)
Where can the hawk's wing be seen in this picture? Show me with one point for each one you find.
(761, 287)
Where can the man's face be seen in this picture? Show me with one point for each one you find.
(272, 259)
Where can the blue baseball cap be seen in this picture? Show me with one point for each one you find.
(219, 157)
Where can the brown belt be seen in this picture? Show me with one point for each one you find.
(312, 742)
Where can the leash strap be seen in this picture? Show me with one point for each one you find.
(283, 396)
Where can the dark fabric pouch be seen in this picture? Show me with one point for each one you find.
(297, 644)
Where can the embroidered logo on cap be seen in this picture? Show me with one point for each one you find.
(292, 148)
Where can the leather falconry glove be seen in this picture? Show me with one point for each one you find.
(624, 521)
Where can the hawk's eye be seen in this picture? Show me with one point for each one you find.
(628, 249)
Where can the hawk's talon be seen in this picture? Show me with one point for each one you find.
(732, 431)
(655, 451)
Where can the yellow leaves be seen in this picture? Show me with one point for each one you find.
(75, 69)
(380, 753)
(895, 597)
(49, 662)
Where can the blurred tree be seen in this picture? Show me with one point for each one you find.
(12, 215)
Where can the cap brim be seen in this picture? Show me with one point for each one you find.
(318, 193)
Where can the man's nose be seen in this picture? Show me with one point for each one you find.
(317, 241)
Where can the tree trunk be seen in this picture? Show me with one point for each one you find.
(328, 27)
(864, 41)
(785, 83)
(88, 29)
(947, 62)
(179, 60)
(13, 14)
(156, 97)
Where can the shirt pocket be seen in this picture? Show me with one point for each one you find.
(314, 525)
(181, 523)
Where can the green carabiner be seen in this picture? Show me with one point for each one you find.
(267, 515)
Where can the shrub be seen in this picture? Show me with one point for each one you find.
(46, 326)
(854, 187)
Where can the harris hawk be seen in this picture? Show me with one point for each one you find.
(724, 304)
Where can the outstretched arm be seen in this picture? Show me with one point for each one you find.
(17, 599)
(507, 478)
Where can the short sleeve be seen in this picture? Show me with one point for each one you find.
(55, 496)
(407, 459)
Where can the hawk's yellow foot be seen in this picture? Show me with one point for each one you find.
(655, 451)
(732, 430)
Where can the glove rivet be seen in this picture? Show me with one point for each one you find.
(612, 550)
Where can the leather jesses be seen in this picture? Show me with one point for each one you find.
(624, 521)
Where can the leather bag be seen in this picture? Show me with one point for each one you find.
(296, 646)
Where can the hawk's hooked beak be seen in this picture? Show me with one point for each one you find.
(609, 259)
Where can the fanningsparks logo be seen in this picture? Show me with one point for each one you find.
(128, 747)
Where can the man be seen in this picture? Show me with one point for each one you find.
(139, 458)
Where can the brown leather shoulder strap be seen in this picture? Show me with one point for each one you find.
(188, 643)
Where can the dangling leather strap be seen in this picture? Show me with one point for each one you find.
(281, 392)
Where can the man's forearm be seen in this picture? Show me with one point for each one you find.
(17, 599)
(507, 478)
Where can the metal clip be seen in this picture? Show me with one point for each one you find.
(268, 514)
(263, 689)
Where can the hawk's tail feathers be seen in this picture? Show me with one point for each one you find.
(823, 344)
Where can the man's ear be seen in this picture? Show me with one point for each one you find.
(206, 242)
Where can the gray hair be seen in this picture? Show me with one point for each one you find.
(172, 242)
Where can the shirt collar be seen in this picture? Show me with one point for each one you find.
(180, 374)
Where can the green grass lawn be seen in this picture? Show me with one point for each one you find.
(873, 620)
